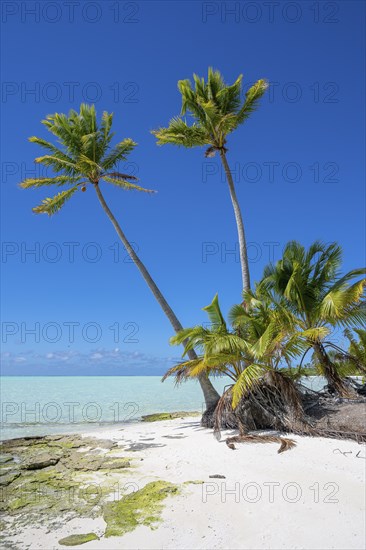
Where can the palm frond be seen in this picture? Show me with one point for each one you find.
(214, 313)
(247, 379)
(180, 133)
(128, 186)
(119, 153)
(252, 98)
(52, 205)
(56, 180)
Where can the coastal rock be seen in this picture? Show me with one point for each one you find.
(76, 442)
(168, 416)
(8, 478)
(21, 442)
(5, 459)
(38, 462)
(92, 463)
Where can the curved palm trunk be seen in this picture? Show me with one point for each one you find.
(239, 223)
(210, 394)
(330, 372)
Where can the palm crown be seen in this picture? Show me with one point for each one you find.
(309, 287)
(258, 345)
(84, 156)
(216, 108)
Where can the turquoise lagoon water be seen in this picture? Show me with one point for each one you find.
(40, 405)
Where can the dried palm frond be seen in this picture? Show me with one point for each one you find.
(286, 444)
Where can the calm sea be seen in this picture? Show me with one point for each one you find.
(41, 405)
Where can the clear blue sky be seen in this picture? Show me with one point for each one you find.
(299, 165)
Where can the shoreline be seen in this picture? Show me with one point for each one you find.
(84, 427)
(262, 501)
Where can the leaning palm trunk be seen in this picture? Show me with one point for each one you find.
(210, 394)
(329, 370)
(239, 223)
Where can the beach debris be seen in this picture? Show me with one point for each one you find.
(286, 443)
(358, 455)
(344, 453)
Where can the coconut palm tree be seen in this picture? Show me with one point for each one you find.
(309, 286)
(250, 356)
(84, 159)
(217, 110)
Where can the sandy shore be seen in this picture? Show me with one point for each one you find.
(311, 497)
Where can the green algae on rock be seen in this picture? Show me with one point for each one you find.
(142, 507)
(168, 416)
(54, 475)
(74, 540)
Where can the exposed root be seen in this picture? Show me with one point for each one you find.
(285, 443)
(278, 403)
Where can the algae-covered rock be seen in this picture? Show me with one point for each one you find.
(142, 507)
(74, 540)
(168, 416)
(91, 463)
(39, 461)
(43, 478)
(4, 459)
(117, 463)
(8, 478)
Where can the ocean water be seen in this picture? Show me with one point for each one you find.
(42, 405)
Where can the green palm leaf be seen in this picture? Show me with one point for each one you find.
(56, 180)
(128, 186)
(52, 205)
(214, 313)
(247, 379)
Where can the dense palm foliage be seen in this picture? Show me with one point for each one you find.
(356, 356)
(308, 285)
(84, 157)
(293, 310)
(217, 110)
(257, 344)
(250, 355)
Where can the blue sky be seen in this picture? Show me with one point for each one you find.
(298, 162)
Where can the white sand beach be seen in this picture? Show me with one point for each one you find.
(311, 497)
